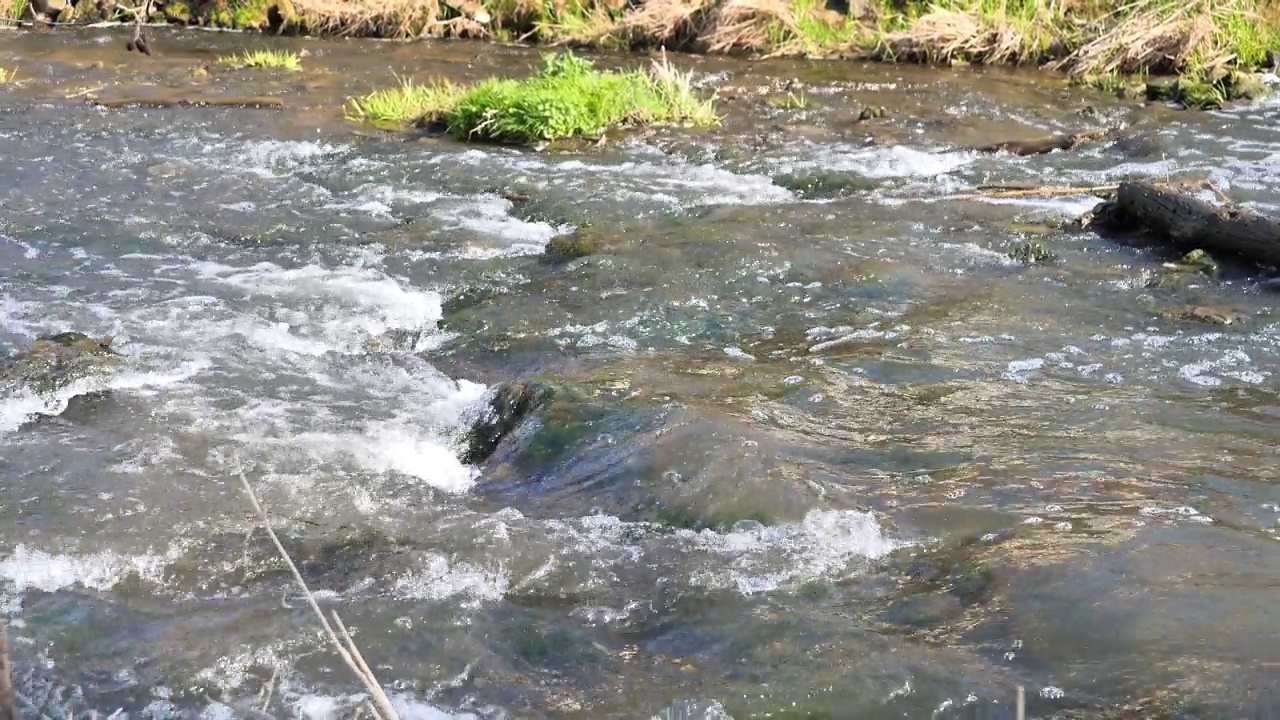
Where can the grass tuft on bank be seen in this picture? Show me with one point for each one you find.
(567, 97)
(405, 104)
(274, 59)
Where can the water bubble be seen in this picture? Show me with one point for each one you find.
(1053, 508)
(955, 494)
(1052, 693)
(792, 380)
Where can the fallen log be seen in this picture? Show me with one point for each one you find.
(1189, 223)
(236, 102)
(1039, 146)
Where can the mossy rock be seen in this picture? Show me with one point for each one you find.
(1246, 86)
(1162, 89)
(825, 185)
(1200, 94)
(723, 519)
(533, 643)
(53, 361)
(563, 248)
(1198, 261)
(872, 112)
(237, 14)
(1031, 253)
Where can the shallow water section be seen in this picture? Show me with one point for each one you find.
(818, 446)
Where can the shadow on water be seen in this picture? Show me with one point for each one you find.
(818, 446)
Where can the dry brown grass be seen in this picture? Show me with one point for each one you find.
(383, 18)
(751, 25)
(1154, 35)
(936, 37)
(672, 23)
(942, 36)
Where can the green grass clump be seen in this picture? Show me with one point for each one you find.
(276, 59)
(406, 104)
(568, 97)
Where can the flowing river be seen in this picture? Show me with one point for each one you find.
(818, 448)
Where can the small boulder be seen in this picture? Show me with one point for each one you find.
(54, 360)
(508, 407)
(563, 248)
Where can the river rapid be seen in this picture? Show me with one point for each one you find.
(819, 448)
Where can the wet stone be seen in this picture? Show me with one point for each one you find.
(564, 248)
(55, 360)
(506, 410)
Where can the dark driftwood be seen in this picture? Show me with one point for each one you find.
(270, 102)
(1189, 223)
(1037, 146)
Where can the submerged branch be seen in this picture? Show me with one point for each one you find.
(983, 192)
(239, 102)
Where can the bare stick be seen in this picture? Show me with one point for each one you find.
(194, 101)
(379, 697)
(1032, 192)
(384, 710)
(270, 690)
(8, 699)
(1022, 704)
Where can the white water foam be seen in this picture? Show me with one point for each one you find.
(894, 161)
(362, 303)
(596, 552)
(688, 184)
(34, 569)
(22, 405)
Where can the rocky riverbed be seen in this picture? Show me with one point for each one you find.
(773, 430)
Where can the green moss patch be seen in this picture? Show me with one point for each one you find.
(567, 97)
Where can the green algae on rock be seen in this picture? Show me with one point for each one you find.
(53, 361)
(566, 98)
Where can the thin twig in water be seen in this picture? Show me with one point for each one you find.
(270, 689)
(1033, 192)
(382, 708)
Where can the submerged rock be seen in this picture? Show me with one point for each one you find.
(1209, 314)
(52, 361)
(506, 410)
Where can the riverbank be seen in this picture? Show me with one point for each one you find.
(1099, 43)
